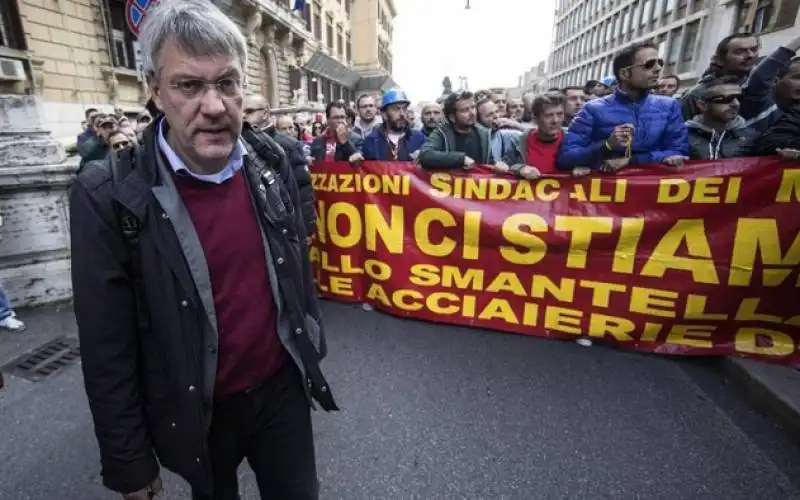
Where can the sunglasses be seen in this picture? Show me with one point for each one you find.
(724, 99)
(650, 64)
(121, 145)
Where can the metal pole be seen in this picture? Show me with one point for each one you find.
(467, 5)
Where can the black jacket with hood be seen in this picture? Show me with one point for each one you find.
(705, 143)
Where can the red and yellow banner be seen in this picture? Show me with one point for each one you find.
(700, 261)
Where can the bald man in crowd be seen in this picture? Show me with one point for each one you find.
(285, 125)
(257, 112)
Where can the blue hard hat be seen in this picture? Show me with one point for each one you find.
(609, 80)
(394, 96)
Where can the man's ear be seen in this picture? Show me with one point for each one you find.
(701, 105)
(155, 92)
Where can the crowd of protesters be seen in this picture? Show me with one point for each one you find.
(743, 105)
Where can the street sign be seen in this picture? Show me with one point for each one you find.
(135, 11)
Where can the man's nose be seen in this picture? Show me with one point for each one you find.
(212, 102)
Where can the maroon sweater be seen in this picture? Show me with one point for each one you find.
(250, 350)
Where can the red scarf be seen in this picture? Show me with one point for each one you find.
(330, 144)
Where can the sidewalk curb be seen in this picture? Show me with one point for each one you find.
(775, 388)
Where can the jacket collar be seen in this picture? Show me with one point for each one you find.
(623, 96)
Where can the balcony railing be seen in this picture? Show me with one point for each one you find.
(278, 10)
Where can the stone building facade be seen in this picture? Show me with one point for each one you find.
(373, 40)
(587, 33)
(73, 54)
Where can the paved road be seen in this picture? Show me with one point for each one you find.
(433, 412)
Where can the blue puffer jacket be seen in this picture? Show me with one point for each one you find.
(659, 131)
(376, 145)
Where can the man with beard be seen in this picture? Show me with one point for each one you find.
(459, 142)
(431, 117)
(773, 87)
(630, 126)
(736, 55)
(720, 132)
(367, 118)
(195, 301)
(394, 140)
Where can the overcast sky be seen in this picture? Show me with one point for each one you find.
(491, 44)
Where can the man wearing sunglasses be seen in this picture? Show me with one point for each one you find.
(631, 126)
(720, 131)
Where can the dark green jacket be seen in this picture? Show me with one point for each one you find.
(438, 152)
(92, 148)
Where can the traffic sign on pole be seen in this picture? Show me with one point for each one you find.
(135, 11)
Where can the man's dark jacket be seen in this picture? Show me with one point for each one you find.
(91, 148)
(343, 151)
(297, 159)
(785, 134)
(438, 152)
(376, 145)
(150, 376)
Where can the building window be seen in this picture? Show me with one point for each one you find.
(307, 16)
(349, 49)
(340, 41)
(689, 41)
(787, 13)
(295, 79)
(347, 6)
(329, 33)
(763, 16)
(11, 35)
(318, 21)
(326, 89)
(674, 47)
(647, 13)
(313, 88)
(122, 53)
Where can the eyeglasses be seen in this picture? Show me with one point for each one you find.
(120, 145)
(192, 89)
(250, 111)
(724, 99)
(650, 64)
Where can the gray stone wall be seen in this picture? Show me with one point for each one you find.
(34, 178)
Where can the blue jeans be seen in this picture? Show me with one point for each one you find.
(5, 305)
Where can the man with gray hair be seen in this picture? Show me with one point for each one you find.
(196, 308)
